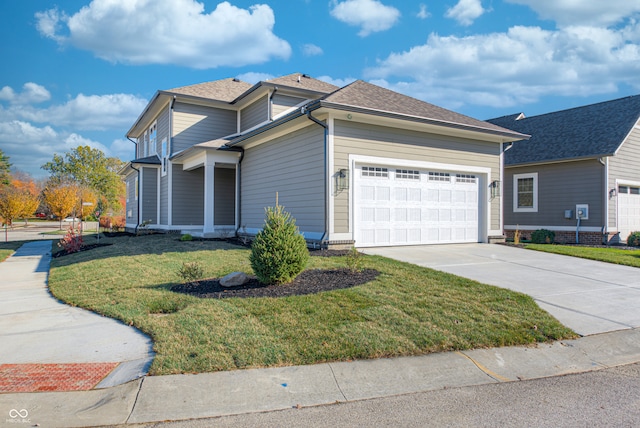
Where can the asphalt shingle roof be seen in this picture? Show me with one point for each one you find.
(303, 81)
(225, 90)
(588, 131)
(366, 95)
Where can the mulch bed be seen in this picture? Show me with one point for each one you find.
(308, 282)
(83, 248)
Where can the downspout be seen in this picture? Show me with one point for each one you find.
(605, 200)
(239, 190)
(275, 89)
(139, 197)
(138, 185)
(304, 110)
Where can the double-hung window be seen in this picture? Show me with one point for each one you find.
(165, 157)
(153, 135)
(525, 193)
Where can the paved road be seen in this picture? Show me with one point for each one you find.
(588, 296)
(36, 230)
(606, 398)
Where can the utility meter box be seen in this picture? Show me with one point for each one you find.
(582, 211)
(568, 214)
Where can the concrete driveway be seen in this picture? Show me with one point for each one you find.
(588, 296)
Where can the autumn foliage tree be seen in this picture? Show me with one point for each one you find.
(89, 168)
(62, 199)
(16, 203)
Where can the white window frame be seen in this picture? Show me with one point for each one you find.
(135, 188)
(153, 139)
(534, 208)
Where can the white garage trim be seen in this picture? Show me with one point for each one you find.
(482, 173)
(628, 208)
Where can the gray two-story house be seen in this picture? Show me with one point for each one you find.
(356, 165)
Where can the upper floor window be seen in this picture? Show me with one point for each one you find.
(165, 156)
(525, 192)
(153, 135)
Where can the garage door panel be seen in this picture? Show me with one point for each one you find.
(628, 210)
(408, 207)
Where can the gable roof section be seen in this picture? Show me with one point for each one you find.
(225, 90)
(579, 133)
(303, 81)
(363, 95)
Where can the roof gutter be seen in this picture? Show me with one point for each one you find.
(513, 136)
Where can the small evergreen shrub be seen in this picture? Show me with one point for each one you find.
(186, 237)
(279, 252)
(543, 236)
(634, 239)
(190, 271)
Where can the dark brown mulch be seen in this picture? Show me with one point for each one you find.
(308, 282)
(83, 248)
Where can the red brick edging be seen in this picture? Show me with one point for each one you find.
(52, 377)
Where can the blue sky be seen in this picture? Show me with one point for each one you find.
(80, 72)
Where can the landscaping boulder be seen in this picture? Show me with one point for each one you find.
(234, 279)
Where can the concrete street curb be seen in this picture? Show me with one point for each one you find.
(178, 397)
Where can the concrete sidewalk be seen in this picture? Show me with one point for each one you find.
(37, 328)
(162, 398)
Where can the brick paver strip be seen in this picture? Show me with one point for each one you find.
(52, 377)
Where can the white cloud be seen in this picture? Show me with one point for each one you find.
(514, 68)
(576, 12)
(177, 32)
(311, 50)
(254, 78)
(123, 149)
(370, 15)
(31, 93)
(423, 13)
(466, 11)
(337, 82)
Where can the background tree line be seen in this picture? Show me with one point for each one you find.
(82, 183)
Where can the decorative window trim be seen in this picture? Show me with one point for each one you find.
(375, 171)
(407, 174)
(135, 188)
(439, 176)
(534, 207)
(153, 139)
(466, 178)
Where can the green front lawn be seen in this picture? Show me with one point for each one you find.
(610, 255)
(407, 310)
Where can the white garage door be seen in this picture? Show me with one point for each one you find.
(408, 207)
(628, 210)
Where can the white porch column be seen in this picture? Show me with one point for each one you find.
(209, 166)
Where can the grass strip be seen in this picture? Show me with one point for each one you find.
(620, 256)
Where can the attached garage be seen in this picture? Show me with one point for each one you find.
(413, 206)
(628, 210)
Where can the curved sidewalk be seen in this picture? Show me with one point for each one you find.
(39, 334)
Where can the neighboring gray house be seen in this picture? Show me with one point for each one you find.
(585, 159)
(359, 164)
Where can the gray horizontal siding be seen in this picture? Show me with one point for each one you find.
(280, 103)
(164, 199)
(254, 114)
(196, 124)
(560, 187)
(393, 143)
(291, 165)
(149, 203)
(224, 195)
(625, 165)
(187, 197)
